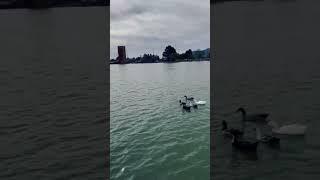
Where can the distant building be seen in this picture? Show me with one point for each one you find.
(121, 54)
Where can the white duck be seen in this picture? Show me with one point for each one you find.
(291, 129)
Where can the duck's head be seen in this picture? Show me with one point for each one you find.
(241, 109)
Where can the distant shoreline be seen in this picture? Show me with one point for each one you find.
(195, 60)
(52, 4)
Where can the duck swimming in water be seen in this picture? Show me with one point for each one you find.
(236, 135)
(244, 145)
(231, 132)
(187, 108)
(257, 118)
(189, 99)
(182, 103)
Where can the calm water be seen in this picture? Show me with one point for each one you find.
(267, 60)
(151, 137)
(53, 94)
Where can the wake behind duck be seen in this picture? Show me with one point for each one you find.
(291, 129)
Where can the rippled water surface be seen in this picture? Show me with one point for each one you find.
(267, 60)
(53, 94)
(151, 137)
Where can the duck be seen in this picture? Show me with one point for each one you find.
(236, 134)
(243, 144)
(190, 99)
(186, 106)
(232, 131)
(291, 129)
(257, 118)
(182, 103)
(195, 106)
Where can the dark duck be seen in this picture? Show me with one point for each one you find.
(191, 100)
(231, 132)
(243, 144)
(237, 140)
(182, 103)
(257, 118)
(185, 105)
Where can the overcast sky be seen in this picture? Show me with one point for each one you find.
(147, 26)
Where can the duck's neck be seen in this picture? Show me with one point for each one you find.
(242, 125)
(224, 126)
(274, 125)
(243, 115)
(258, 133)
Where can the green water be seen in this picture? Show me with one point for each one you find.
(151, 136)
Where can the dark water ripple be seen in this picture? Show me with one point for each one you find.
(151, 137)
(51, 108)
(267, 61)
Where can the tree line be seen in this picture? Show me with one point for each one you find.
(170, 55)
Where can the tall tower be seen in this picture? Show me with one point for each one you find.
(122, 54)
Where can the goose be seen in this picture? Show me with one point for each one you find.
(292, 129)
(258, 118)
(232, 132)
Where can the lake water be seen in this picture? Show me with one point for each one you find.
(267, 60)
(53, 93)
(151, 136)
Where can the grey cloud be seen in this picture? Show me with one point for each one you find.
(146, 26)
(131, 11)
